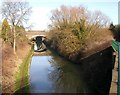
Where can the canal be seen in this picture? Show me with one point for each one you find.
(53, 74)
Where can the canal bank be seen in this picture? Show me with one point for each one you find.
(11, 63)
(22, 76)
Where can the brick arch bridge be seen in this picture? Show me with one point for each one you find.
(33, 34)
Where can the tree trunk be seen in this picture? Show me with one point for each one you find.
(14, 40)
(6, 35)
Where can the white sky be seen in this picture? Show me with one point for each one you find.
(41, 9)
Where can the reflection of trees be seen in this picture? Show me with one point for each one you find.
(65, 76)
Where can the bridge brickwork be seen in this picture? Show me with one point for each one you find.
(31, 35)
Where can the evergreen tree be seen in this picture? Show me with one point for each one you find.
(5, 33)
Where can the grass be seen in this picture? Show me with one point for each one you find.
(22, 76)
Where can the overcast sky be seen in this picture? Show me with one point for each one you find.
(41, 9)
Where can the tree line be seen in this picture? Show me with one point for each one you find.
(79, 20)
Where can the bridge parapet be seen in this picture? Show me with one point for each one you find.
(31, 35)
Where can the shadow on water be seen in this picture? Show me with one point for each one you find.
(92, 76)
(66, 76)
(52, 74)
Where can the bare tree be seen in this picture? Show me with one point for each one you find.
(96, 20)
(79, 19)
(66, 16)
(16, 13)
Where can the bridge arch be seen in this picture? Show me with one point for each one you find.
(34, 34)
(34, 37)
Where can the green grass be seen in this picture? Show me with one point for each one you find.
(23, 73)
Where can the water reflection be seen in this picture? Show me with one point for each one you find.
(66, 76)
(39, 75)
(52, 74)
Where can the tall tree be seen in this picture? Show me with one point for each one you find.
(17, 13)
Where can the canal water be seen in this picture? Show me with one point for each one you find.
(51, 74)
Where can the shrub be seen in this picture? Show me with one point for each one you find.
(66, 44)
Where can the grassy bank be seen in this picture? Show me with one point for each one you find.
(22, 76)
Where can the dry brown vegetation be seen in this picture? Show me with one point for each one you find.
(101, 36)
(70, 47)
(10, 65)
(76, 30)
(65, 45)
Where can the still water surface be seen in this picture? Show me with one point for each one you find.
(51, 74)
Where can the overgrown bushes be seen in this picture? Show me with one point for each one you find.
(65, 43)
(68, 45)
(76, 30)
